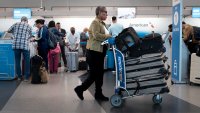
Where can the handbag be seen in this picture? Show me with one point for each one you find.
(56, 50)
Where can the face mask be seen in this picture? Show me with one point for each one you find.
(73, 31)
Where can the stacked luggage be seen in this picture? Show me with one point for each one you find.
(147, 75)
(128, 42)
(146, 71)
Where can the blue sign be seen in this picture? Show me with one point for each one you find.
(196, 12)
(176, 41)
(19, 12)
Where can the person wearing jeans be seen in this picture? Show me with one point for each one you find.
(26, 57)
(22, 32)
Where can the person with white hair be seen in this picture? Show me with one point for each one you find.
(22, 32)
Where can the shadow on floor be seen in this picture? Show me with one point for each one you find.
(142, 104)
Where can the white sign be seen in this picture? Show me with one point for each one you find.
(126, 13)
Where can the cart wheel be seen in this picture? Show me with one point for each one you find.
(116, 100)
(157, 99)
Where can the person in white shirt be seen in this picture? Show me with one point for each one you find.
(73, 40)
(115, 28)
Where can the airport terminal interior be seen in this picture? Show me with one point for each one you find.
(150, 66)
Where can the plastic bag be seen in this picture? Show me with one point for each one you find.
(33, 48)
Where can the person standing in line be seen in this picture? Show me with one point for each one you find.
(42, 39)
(83, 40)
(95, 55)
(73, 40)
(115, 28)
(54, 58)
(22, 32)
(62, 43)
(170, 31)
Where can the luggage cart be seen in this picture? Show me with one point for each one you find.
(121, 90)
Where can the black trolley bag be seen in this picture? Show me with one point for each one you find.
(36, 62)
(129, 42)
(146, 75)
(128, 38)
(151, 84)
(152, 43)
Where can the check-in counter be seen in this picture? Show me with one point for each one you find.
(7, 60)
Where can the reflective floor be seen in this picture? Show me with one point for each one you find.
(58, 97)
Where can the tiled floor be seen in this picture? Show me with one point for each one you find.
(55, 97)
(58, 97)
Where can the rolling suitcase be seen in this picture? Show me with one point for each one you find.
(129, 42)
(72, 61)
(36, 62)
(82, 65)
(147, 85)
(194, 69)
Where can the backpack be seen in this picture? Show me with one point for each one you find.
(38, 71)
(83, 37)
(82, 65)
(36, 62)
(52, 40)
(127, 38)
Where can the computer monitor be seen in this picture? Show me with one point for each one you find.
(19, 12)
(196, 12)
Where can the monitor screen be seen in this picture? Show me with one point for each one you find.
(19, 12)
(196, 12)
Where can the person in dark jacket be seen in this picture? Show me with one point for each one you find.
(83, 40)
(42, 40)
(62, 43)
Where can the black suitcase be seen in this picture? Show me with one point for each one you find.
(36, 63)
(82, 65)
(127, 38)
(129, 42)
(151, 43)
(147, 85)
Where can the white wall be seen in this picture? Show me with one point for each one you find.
(140, 24)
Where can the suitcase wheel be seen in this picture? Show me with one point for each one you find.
(157, 99)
